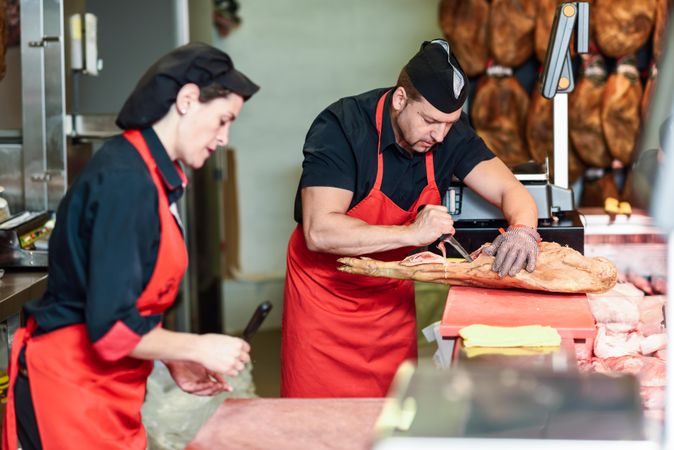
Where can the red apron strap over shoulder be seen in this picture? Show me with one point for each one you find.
(345, 335)
(81, 401)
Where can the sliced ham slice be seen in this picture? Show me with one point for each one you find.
(423, 258)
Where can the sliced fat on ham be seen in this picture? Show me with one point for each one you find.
(423, 258)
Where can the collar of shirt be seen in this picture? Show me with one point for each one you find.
(388, 139)
(171, 173)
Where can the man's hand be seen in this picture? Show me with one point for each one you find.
(514, 249)
(195, 379)
(432, 222)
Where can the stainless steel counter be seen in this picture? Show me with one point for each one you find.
(19, 287)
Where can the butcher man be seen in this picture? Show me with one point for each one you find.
(370, 162)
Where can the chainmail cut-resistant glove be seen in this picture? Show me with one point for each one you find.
(513, 249)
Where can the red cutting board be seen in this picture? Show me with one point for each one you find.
(569, 314)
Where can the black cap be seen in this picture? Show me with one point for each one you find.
(437, 75)
(158, 88)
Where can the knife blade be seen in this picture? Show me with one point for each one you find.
(458, 247)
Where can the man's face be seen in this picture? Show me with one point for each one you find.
(420, 125)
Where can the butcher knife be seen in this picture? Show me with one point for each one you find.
(256, 320)
(458, 247)
(452, 241)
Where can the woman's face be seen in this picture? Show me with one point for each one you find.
(205, 126)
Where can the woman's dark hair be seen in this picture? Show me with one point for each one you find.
(405, 82)
(212, 91)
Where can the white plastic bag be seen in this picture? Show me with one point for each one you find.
(172, 417)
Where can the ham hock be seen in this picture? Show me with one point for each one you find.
(558, 269)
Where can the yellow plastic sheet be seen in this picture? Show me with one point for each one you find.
(524, 336)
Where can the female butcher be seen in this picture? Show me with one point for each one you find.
(370, 162)
(116, 257)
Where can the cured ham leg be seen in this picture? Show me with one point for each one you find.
(559, 269)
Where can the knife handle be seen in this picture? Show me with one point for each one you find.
(256, 320)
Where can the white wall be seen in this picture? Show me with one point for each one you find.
(305, 54)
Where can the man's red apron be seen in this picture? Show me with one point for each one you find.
(81, 401)
(345, 335)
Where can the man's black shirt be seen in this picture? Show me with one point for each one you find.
(340, 151)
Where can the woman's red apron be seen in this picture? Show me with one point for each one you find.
(345, 335)
(80, 400)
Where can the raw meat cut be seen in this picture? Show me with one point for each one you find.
(650, 370)
(559, 269)
(653, 343)
(511, 31)
(618, 311)
(613, 345)
(585, 103)
(620, 118)
(621, 27)
(464, 24)
(499, 113)
(539, 136)
(650, 315)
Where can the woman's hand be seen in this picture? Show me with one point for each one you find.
(195, 379)
(222, 354)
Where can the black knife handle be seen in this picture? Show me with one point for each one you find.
(256, 320)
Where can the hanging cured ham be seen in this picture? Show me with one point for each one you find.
(648, 90)
(558, 269)
(620, 110)
(464, 24)
(585, 104)
(596, 189)
(661, 15)
(539, 135)
(622, 26)
(511, 31)
(3, 41)
(499, 113)
(545, 16)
